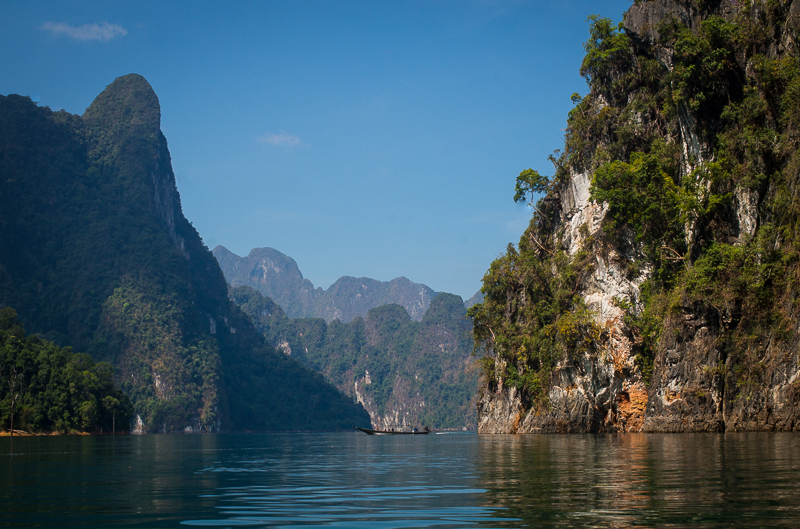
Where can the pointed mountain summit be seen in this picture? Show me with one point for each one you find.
(272, 273)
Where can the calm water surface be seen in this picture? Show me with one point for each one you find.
(445, 480)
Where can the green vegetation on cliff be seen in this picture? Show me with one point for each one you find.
(417, 373)
(96, 254)
(54, 389)
(689, 132)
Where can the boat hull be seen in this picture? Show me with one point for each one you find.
(368, 431)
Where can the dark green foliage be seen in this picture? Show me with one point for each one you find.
(750, 117)
(283, 394)
(407, 361)
(60, 391)
(530, 182)
(643, 195)
(181, 372)
(530, 318)
(608, 51)
(97, 254)
(706, 75)
(626, 108)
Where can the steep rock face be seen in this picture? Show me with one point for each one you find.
(706, 378)
(586, 391)
(277, 276)
(272, 273)
(672, 328)
(99, 256)
(687, 392)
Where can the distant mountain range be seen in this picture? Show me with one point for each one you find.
(278, 277)
(400, 349)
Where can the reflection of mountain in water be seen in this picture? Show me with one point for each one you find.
(449, 480)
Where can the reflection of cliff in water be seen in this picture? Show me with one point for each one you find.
(639, 480)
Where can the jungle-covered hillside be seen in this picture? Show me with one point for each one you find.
(97, 255)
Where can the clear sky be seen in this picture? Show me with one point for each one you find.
(363, 138)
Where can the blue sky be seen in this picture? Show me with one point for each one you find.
(367, 138)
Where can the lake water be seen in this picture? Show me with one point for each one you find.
(445, 480)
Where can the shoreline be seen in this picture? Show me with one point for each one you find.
(23, 433)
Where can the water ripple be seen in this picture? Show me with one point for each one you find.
(331, 506)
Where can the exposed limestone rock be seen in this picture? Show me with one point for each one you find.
(700, 382)
(686, 393)
(579, 213)
(402, 409)
(586, 390)
(643, 18)
(746, 211)
(284, 346)
(499, 412)
(166, 197)
(138, 425)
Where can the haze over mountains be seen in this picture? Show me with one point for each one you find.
(400, 349)
(278, 277)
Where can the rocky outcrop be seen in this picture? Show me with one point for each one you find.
(404, 409)
(709, 372)
(702, 384)
(272, 273)
(500, 411)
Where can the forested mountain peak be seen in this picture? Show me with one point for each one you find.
(98, 255)
(127, 107)
(130, 101)
(445, 308)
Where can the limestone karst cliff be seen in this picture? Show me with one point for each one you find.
(95, 253)
(656, 287)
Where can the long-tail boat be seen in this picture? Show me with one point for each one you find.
(392, 431)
